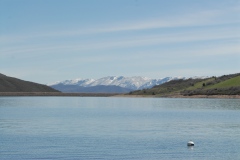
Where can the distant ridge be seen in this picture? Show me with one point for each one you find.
(2, 75)
(10, 84)
(92, 89)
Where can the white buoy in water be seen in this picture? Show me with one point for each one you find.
(190, 143)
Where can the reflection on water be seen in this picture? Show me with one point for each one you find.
(190, 147)
(118, 128)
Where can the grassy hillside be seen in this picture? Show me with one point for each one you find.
(224, 85)
(10, 84)
(233, 82)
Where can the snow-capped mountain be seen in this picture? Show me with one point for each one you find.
(78, 82)
(125, 82)
(121, 84)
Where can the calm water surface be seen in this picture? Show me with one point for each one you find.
(118, 128)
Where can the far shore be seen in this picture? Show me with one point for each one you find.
(181, 96)
(59, 94)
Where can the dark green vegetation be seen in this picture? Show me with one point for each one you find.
(224, 85)
(10, 84)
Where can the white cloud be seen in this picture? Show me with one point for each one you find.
(203, 18)
(126, 42)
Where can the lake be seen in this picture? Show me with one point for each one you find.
(118, 128)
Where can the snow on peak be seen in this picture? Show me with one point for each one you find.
(125, 82)
(134, 83)
(78, 81)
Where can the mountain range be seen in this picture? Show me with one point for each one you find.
(110, 84)
(169, 86)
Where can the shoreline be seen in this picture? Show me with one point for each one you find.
(209, 96)
(181, 96)
(59, 94)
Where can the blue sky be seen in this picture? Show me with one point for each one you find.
(49, 40)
